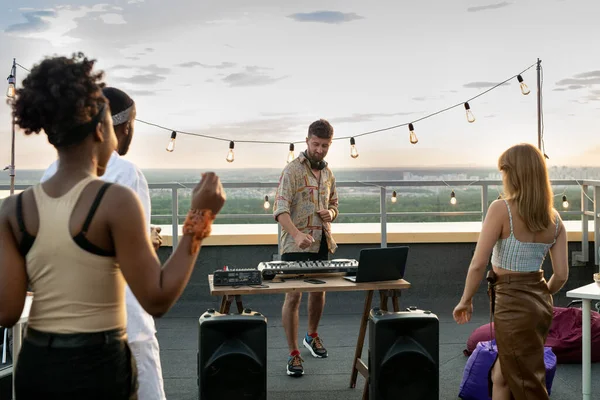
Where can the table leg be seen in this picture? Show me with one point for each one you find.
(587, 347)
(17, 339)
(395, 301)
(238, 302)
(383, 300)
(223, 304)
(361, 337)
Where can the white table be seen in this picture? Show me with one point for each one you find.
(17, 331)
(586, 293)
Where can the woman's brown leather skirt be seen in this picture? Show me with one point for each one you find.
(522, 308)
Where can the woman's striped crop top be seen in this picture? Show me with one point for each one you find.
(514, 255)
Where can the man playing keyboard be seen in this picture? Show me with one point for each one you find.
(306, 203)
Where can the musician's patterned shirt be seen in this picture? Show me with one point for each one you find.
(302, 195)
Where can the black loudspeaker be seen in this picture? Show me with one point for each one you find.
(403, 355)
(232, 356)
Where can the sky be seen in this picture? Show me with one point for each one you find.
(264, 70)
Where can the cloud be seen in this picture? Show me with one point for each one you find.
(252, 76)
(365, 117)
(494, 6)
(57, 25)
(112, 19)
(583, 79)
(191, 64)
(139, 74)
(274, 129)
(37, 21)
(326, 17)
(142, 79)
(481, 85)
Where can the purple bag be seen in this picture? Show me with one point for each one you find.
(474, 385)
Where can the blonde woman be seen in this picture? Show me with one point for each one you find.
(518, 232)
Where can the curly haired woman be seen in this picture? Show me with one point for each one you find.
(76, 239)
(519, 232)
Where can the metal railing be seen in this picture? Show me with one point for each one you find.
(589, 205)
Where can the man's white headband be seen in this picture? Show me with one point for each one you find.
(122, 117)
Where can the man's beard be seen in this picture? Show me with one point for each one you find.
(314, 157)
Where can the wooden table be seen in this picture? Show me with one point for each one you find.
(586, 293)
(387, 290)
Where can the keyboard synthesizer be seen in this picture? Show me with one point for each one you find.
(288, 269)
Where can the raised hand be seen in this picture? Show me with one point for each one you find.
(209, 193)
(156, 237)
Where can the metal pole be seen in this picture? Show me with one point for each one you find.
(383, 211)
(11, 167)
(539, 102)
(174, 218)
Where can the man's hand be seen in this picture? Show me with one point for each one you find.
(303, 240)
(326, 215)
(155, 237)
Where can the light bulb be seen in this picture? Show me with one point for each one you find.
(266, 204)
(10, 92)
(565, 202)
(291, 153)
(394, 197)
(452, 198)
(353, 151)
(171, 145)
(230, 157)
(470, 116)
(413, 135)
(524, 89)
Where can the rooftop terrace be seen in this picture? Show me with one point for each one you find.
(439, 256)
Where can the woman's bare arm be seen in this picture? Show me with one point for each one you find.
(560, 261)
(13, 274)
(156, 288)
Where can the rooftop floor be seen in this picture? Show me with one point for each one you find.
(329, 378)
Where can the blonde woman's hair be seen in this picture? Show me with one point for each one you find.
(526, 182)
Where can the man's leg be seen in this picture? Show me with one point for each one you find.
(289, 318)
(312, 341)
(150, 379)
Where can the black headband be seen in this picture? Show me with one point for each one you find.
(79, 132)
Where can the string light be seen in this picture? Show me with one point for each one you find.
(565, 202)
(171, 145)
(353, 151)
(394, 197)
(10, 92)
(524, 89)
(291, 153)
(452, 198)
(266, 204)
(412, 136)
(470, 116)
(230, 156)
